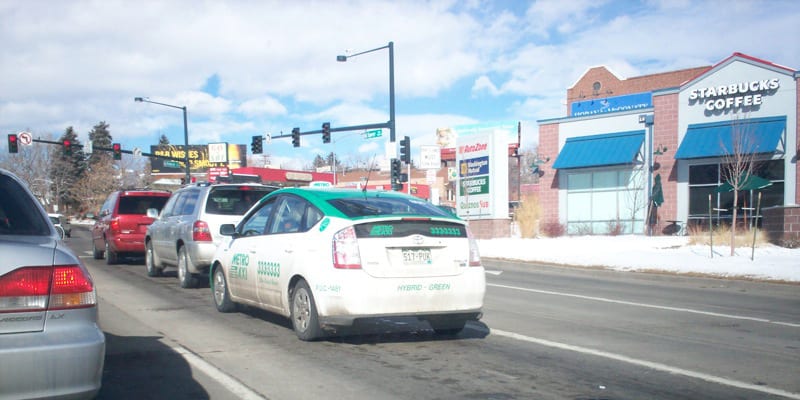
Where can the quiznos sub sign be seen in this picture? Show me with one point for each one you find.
(735, 95)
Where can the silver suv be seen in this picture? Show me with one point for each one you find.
(186, 233)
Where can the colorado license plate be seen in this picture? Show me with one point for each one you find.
(416, 256)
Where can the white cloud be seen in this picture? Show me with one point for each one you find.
(264, 106)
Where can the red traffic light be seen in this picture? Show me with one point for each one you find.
(13, 143)
(67, 147)
(117, 150)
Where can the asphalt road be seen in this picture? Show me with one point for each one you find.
(547, 333)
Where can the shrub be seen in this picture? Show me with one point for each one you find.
(615, 228)
(722, 236)
(554, 229)
(527, 216)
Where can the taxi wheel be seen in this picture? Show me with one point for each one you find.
(150, 262)
(304, 313)
(111, 256)
(222, 297)
(186, 278)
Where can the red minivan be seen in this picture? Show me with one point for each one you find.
(122, 223)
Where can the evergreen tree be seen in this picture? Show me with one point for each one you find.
(319, 162)
(66, 170)
(100, 137)
(163, 140)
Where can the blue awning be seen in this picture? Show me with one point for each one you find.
(744, 136)
(599, 150)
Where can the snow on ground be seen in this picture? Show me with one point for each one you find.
(640, 253)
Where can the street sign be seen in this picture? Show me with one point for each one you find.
(25, 138)
(375, 133)
(137, 152)
(171, 164)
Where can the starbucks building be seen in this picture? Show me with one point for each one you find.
(662, 152)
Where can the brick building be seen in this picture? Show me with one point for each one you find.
(686, 125)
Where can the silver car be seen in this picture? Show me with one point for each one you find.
(186, 233)
(50, 343)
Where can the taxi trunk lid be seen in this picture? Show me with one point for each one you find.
(411, 247)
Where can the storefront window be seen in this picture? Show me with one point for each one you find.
(705, 179)
(601, 201)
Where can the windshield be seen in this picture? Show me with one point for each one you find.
(374, 206)
(139, 204)
(19, 214)
(234, 200)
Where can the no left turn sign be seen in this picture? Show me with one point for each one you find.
(25, 138)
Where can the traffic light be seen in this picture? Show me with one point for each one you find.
(67, 147)
(13, 143)
(116, 148)
(395, 172)
(405, 150)
(256, 145)
(326, 132)
(296, 137)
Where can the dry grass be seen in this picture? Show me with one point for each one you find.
(722, 237)
(527, 216)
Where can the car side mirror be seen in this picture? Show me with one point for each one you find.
(152, 213)
(227, 230)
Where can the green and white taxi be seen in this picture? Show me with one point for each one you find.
(328, 257)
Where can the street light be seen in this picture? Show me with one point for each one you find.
(390, 46)
(185, 132)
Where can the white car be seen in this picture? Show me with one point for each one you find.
(328, 257)
(60, 221)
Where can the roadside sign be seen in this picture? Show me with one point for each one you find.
(375, 133)
(430, 157)
(171, 164)
(25, 138)
(137, 152)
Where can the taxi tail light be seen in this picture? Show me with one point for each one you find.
(474, 253)
(345, 249)
(201, 232)
(46, 288)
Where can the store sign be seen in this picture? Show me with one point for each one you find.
(199, 158)
(299, 176)
(607, 105)
(473, 186)
(735, 95)
(481, 172)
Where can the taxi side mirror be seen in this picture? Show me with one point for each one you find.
(227, 230)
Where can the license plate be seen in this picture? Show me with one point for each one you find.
(416, 256)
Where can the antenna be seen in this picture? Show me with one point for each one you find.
(371, 166)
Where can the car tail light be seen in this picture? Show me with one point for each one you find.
(46, 288)
(113, 225)
(474, 253)
(201, 232)
(345, 249)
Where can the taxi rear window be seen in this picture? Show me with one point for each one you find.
(405, 228)
(386, 206)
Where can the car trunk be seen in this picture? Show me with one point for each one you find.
(412, 248)
(21, 308)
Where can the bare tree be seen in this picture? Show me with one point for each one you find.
(739, 162)
(93, 187)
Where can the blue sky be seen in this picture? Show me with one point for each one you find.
(245, 68)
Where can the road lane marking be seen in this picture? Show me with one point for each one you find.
(630, 303)
(228, 382)
(649, 364)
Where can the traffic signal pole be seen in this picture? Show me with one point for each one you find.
(108, 149)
